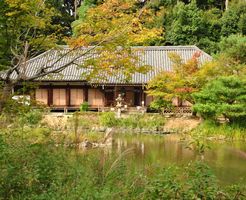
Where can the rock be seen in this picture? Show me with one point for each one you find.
(86, 144)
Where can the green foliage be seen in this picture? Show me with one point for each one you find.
(198, 144)
(232, 20)
(22, 112)
(200, 22)
(132, 121)
(33, 117)
(193, 26)
(188, 25)
(160, 103)
(195, 182)
(180, 83)
(84, 107)
(225, 96)
(143, 121)
(234, 47)
(63, 19)
(108, 119)
(220, 131)
(85, 6)
(25, 22)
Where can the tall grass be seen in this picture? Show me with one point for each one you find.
(227, 131)
(132, 121)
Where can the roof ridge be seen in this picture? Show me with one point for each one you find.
(162, 46)
(40, 55)
(206, 54)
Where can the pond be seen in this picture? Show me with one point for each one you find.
(227, 159)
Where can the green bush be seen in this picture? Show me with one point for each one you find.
(160, 103)
(108, 119)
(131, 121)
(33, 117)
(84, 107)
(225, 97)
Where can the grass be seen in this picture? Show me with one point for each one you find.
(132, 121)
(220, 131)
(91, 136)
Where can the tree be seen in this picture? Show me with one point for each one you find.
(225, 96)
(116, 25)
(64, 18)
(234, 47)
(232, 21)
(82, 10)
(26, 27)
(180, 83)
(112, 18)
(29, 21)
(190, 25)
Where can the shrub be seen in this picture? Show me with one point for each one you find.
(108, 119)
(84, 107)
(222, 97)
(131, 121)
(33, 117)
(160, 103)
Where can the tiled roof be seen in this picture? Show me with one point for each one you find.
(155, 56)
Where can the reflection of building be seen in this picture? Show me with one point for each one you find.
(68, 89)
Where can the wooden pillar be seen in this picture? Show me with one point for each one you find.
(115, 91)
(32, 94)
(68, 96)
(145, 99)
(85, 92)
(142, 96)
(136, 96)
(179, 102)
(50, 95)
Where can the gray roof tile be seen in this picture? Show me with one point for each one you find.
(155, 56)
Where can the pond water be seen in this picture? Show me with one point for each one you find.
(227, 159)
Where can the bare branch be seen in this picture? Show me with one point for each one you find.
(59, 69)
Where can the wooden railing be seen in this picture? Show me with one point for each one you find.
(178, 110)
(173, 111)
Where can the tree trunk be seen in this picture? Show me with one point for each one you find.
(226, 4)
(75, 9)
(179, 102)
(5, 94)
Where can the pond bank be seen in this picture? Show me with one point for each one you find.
(146, 124)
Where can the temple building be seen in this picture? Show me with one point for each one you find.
(68, 89)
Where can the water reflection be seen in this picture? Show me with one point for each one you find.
(227, 159)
